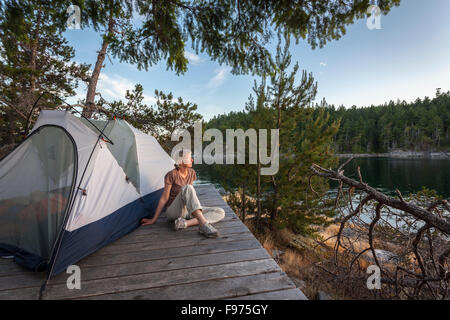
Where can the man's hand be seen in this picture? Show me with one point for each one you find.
(146, 221)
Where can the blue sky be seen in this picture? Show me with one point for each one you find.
(405, 59)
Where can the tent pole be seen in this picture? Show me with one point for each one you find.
(71, 107)
(41, 291)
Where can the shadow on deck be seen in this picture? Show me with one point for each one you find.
(155, 262)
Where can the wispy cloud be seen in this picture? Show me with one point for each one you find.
(114, 87)
(192, 57)
(80, 95)
(149, 100)
(219, 78)
(323, 64)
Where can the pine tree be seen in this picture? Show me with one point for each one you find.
(34, 58)
(236, 33)
(159, 120)
(305, 137)
(422, 125)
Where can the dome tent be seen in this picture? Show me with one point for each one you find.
(67, 191)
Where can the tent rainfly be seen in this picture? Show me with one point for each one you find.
(66, 191)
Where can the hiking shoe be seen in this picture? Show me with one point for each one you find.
(180, 223)
(208, 230)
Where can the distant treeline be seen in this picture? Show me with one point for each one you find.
(422, 125)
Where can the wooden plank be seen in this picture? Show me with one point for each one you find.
(5, 261)
(166, 278)
(289, 294)
(22, 280)
(183, 234)
(210, 202)
(229, 216)
(11, 268)
(164, 265)
(212, 247)
(167, 228)
(31, 279)
(155, 262)
(192, 240)
(163, 220)
(14, 269)
(20, 294)
(212, 289)
(207, 290)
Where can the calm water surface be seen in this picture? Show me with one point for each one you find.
(384, 174)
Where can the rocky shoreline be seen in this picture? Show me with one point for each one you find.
(398, 154)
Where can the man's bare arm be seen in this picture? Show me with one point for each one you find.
(162, 201)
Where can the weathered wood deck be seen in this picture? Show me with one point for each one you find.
(155, 262)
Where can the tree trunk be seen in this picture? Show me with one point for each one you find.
(34, 48)
(11, 129)
(243, 203)
(258, 193)
(274, 211)
(90, 96)
(29, 98)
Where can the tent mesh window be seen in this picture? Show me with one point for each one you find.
(36, 180)
(124, 148)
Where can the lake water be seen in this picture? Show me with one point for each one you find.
(407, 175)
(386, 174)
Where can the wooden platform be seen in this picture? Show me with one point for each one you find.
(155, 262)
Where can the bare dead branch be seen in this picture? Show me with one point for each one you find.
(359, 175)
(402, 229)
(410, 208)
(14, 108)
(400, 195)
(344, 164)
